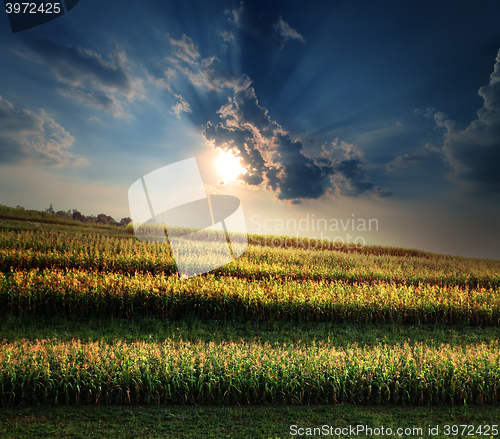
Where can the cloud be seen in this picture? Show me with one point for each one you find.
(278, 163)
(244, 109)
(262, 26)
(244, 143)
(228, 37)
(407, 159)
(272, 159)
(84, 75)
(94, 100)
(474, 151)
(185, 49)
(382, 192)
(206, 73)
(212, 190)
(79, 67)
(286, 32)
(180, 106)
(33, 134)
(299, 177)
(347, 173)
(163, 82)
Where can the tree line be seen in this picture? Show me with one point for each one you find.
(75, 215)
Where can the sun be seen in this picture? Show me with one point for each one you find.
(229, 166)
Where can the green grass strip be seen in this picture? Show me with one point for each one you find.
(249, 422)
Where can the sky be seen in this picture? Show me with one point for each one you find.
(337, 111)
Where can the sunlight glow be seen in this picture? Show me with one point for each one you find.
(229, 166)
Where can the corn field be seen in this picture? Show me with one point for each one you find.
(44, 273)
(230, 373)
(98, 294)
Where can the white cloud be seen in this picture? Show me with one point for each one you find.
(228, 37)
(33, 134)
(163, 82)
(181, 106)
(85, 76)
(286, 32)
(95, 100)
(210, 74)
(185, 49)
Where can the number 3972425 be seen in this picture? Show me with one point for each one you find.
(33, 8)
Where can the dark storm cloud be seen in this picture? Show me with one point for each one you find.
(244, 109)
(350, 168)
(241, 140)
(299, 177)
(474, 151)
(348, 177)
(275, 161)
(78, 67)
(33, 134)
(271, 158)
(262, 26)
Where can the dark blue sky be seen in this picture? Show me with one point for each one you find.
(374, 109)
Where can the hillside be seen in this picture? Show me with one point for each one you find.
(73, 274)
(91, 315)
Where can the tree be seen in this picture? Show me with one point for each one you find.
(102, 218)
(125, 221)
(77, 216)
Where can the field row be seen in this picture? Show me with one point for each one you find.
(176, 372)
(58, 241)
(80, 293)
(261, 263)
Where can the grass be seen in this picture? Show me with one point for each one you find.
(192, 329)
(228, 422)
